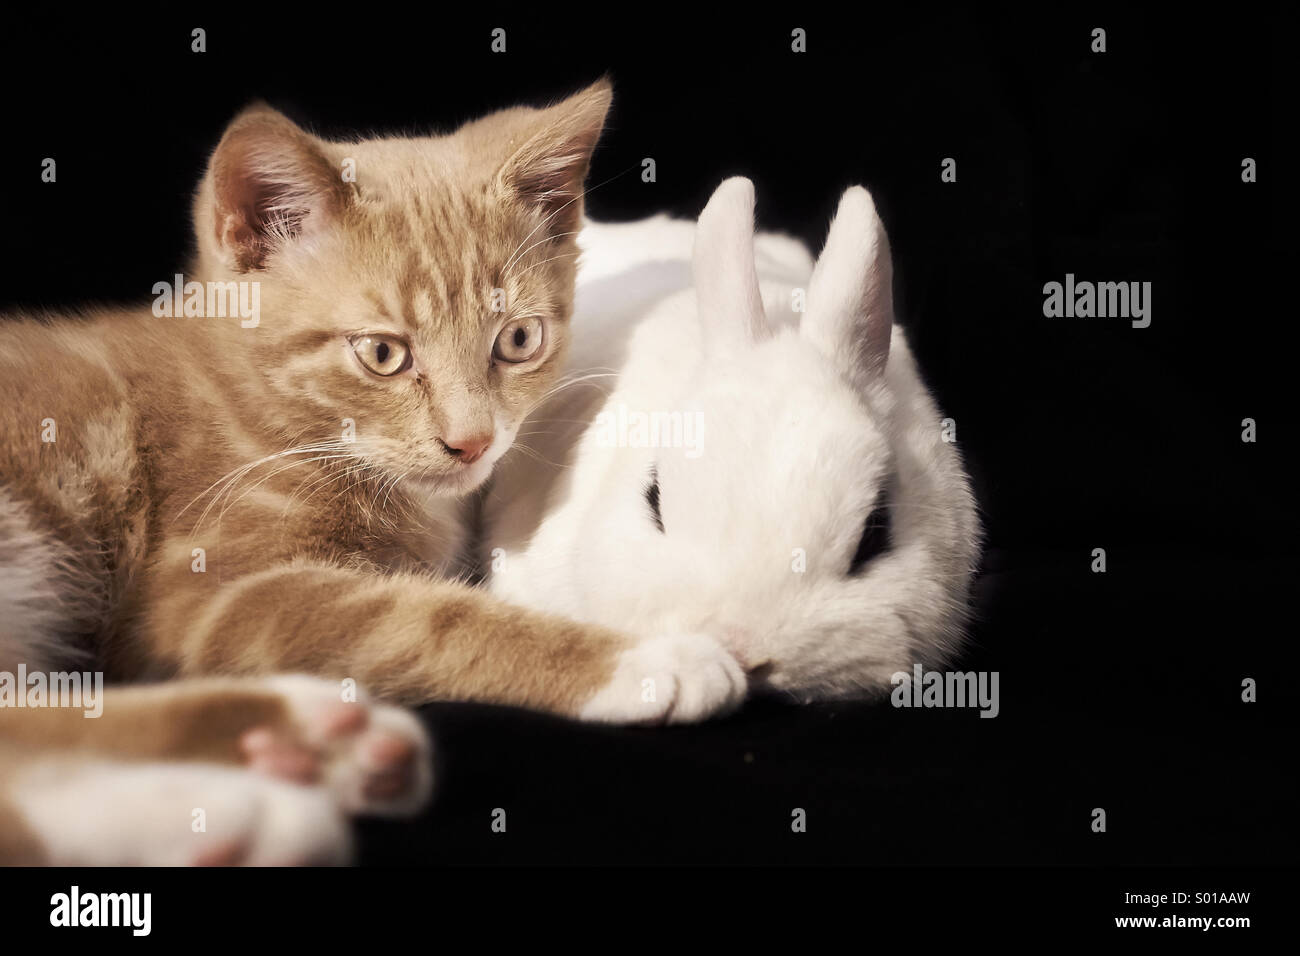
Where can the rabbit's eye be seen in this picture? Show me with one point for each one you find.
(652, 498)
(875, 536)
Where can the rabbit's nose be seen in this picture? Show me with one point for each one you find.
(738, 641)
(756, 665)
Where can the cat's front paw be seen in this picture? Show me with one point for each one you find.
(679, 678)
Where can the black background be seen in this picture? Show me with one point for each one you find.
(1118, 690)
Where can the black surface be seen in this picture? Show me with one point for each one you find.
(1108, 699)
(1119, 690)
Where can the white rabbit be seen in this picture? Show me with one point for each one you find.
(819, 526)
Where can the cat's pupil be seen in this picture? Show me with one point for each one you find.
(521, 337)
(381, 352)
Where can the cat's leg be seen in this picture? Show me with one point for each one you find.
(19, 845)
(412, 639)
(373, 758)
(83, 810)
(49, 590)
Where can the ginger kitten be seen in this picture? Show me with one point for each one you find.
(239, 496)
(275, 490)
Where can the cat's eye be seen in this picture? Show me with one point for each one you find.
(519, 341)
(875, 536)
(652, 499)
(382, 354)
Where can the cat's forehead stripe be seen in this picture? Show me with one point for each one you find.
(422, 306)
(307, 341)
(377, 303)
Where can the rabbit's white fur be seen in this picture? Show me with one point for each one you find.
(806, 422)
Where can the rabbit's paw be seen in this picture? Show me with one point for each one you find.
(674, 679)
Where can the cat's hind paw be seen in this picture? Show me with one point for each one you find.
(103, 813)
(375, 758)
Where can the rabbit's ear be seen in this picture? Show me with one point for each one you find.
(850, 299)
(726, 284)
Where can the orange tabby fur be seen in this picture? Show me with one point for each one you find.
(334, 559)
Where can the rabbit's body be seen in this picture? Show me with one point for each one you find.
(810, 517)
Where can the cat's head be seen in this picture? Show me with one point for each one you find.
(416, 290)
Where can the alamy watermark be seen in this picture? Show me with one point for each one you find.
(1101, 300)
(75, 908)
(209, 300)
(627, 428)
(74, 689)
(923, 688)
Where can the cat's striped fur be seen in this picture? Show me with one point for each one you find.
(242, 501)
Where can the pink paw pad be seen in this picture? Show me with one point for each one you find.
(280, 756)
(390, 760)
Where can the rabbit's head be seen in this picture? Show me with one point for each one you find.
(812, 519)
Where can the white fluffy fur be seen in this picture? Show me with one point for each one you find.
(805, 422)
(102, 813)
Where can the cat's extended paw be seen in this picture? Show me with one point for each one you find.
(674, 679)
(375, 758)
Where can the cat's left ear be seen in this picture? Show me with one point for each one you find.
(549, 169)
(269, 182)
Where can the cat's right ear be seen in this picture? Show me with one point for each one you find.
(549, 169)
(268, 183)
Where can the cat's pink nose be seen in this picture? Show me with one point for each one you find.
(469, 449)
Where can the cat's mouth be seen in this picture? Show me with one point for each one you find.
(462, 477)
(460, 481)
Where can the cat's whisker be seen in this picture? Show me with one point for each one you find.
(392, 485)
(582, 194)
(232, 480)
(558, 421)
(319, 486)
(505, 271)
(329, 473)
(538, 457)
(563, 255)
(344, 475)
(302, 461)
(567, 383)
(245, 468)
